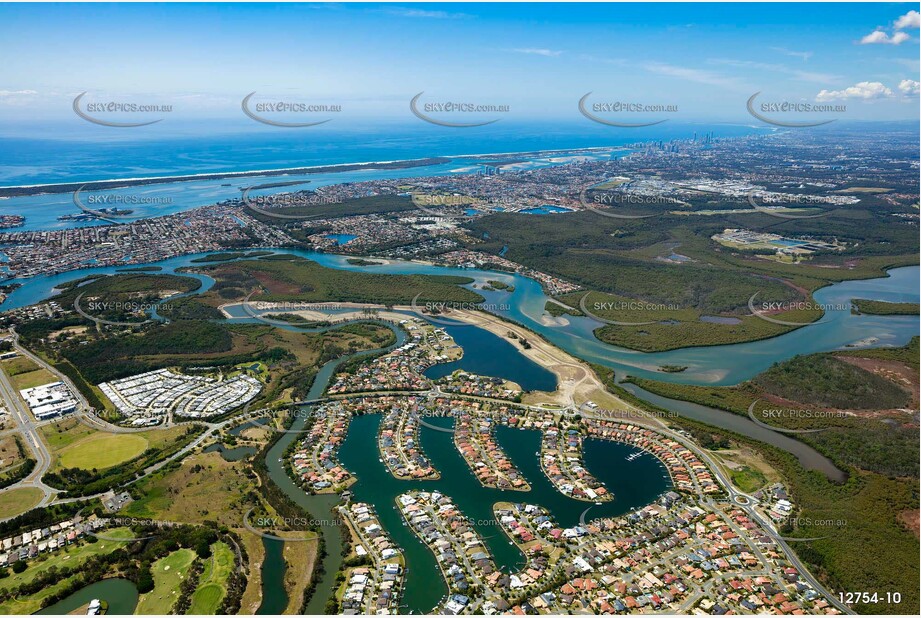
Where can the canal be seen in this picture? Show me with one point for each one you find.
(633, 483)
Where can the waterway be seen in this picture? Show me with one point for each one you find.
(717, 365)
(633, 483)
(319, 506)
(274, 595)
(120, 594)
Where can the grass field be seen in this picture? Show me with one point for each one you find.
(17, 365)
(72, 444)
(210, 592)
(203, 487)
(102, 450)
(17, 501)
(31, 379)
(168, 574)
(748, 480)
(10, 454)
(255, 550)
(73, 555)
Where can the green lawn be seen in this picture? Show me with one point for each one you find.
(17, 501)
(33, 603)
(210, 592)
(102, 450)
(168, 573)
(748, 480)
(74, 555)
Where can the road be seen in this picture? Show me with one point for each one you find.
(32, 438)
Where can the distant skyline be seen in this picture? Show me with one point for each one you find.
(704, 60)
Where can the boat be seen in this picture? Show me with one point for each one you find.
(95, 608)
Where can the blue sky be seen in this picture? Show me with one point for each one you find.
(539, 59)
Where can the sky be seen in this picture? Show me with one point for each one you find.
(539, 60)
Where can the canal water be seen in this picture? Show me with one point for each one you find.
(633, 483)
(120, 594)
(319, 507)
(274, 595)
(490, 355)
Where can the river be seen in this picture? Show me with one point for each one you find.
(717, 365)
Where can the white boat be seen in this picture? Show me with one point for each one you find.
(95, 608)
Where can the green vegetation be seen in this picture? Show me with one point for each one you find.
(866, 547)
(499, 285)
(168, 573)
(362, 262)
(907, 354)
(211, 585)
(748, 479)
(296, 279)
(229, 256)
(628, 259)
(556, 309)
(188, 308)
(18, 501)
(879, 307)
(102, 451)
(123, 297)
(825, 381)
(356, 206)
(77, 481)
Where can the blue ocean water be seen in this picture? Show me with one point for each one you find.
(84, 154)
(79, 152)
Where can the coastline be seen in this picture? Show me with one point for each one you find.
(116, 183)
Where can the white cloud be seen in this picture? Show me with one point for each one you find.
(17, 93)
(862, 90)
(550, 53)
(407, 12)
(799, 74)
(700, 76)
(880, 36)
(909, 87)
(803, 55)
(911, 19)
